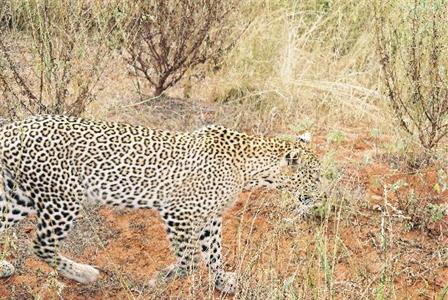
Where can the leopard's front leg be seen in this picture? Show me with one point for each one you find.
(210, 240)
(181, 233)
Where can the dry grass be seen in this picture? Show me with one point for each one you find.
(300, 65)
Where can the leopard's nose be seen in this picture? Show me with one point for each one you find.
(305, 199)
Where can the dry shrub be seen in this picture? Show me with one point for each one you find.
(413, 53)
(52, 58)
(168, 38)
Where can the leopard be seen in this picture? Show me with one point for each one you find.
(51, 164)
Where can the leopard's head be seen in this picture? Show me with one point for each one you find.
(300, 174)
(292, 167)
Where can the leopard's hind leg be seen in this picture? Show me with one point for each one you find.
(55, 219)
(15, 205)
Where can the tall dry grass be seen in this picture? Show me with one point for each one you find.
(302, 57)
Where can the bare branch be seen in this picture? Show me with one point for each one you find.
(174, 36)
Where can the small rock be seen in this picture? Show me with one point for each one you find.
(6, 269)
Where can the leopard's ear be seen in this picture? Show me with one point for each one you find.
(304, 138)
(291, 158)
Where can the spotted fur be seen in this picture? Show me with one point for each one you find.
(49, 164)
(6, 269)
